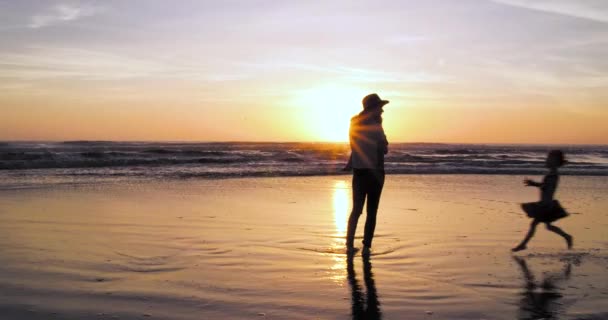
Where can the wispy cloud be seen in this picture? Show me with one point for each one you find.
(596, 10)
(14, 86)
(62, 13)
(46, 63)
(41, 63)
(405, 39)
(352, 73)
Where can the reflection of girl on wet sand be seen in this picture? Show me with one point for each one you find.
(547, 210)
(540, 300)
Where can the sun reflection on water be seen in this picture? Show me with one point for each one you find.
(341, 196)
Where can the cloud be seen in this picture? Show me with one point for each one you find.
(40, 63)
(595, 10)
(405, 39)
(46, 63)
(351, 73)
(62, 13)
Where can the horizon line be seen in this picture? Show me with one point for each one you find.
(293, 142)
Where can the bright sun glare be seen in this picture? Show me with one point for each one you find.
(340, 198)
(329, 109)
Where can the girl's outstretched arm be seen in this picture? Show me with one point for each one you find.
(532, 183)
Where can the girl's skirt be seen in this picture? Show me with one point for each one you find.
(544, 211)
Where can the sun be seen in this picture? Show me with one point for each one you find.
(328, 109)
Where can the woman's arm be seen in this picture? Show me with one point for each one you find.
(349, 164)
(383, 141)
(384, 145)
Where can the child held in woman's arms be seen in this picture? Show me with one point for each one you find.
(547, 210)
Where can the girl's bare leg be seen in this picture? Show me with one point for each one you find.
(522, 245)
(561, 232)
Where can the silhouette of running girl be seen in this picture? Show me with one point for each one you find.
(547, 210)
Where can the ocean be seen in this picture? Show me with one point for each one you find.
(25, 164)
(100, 230)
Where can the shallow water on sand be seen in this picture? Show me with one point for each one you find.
(273, 248)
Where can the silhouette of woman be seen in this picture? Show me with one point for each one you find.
(368, 146)
(546, 210)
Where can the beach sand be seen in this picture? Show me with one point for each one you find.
(272, 248)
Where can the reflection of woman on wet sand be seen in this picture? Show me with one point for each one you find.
(368, 307)
(541, 300)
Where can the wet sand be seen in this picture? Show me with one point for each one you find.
(272, 248)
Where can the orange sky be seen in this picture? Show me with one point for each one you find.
(503, 71)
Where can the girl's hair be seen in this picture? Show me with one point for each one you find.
(559, 156)
(369, 117)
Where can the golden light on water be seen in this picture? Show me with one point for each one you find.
(341, 200)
